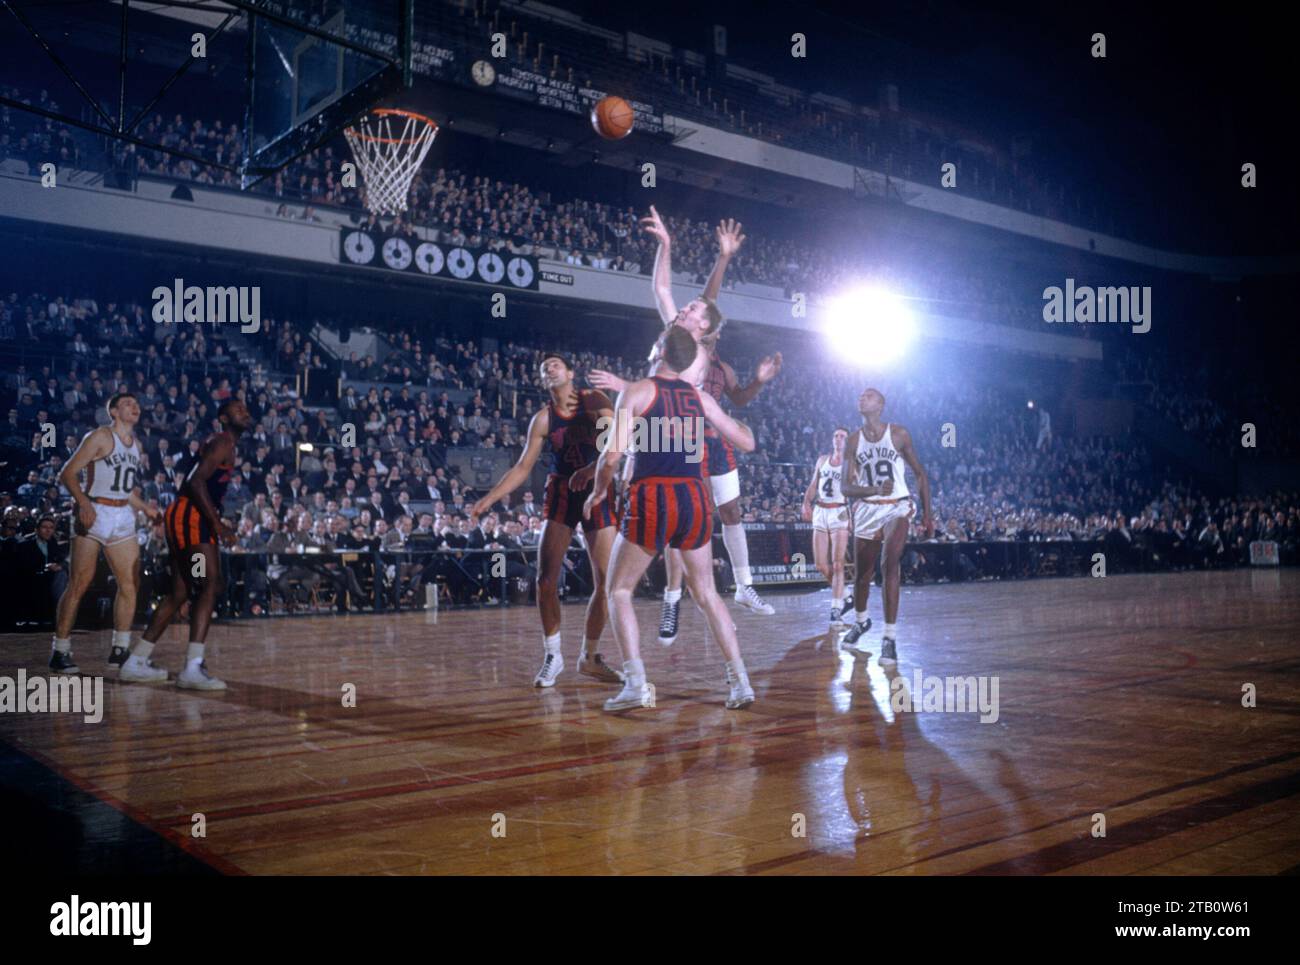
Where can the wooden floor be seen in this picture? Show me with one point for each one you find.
(1118, 696)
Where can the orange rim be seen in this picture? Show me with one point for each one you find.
(394, 140)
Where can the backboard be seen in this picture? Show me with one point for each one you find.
(287, 74)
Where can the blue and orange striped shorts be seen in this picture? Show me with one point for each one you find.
(565, 507)
(185, 526)
(668, 511)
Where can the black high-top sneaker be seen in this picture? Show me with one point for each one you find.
(61, 662)
(855, 633)
(668, 623)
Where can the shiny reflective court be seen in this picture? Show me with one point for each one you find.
(1088, 726)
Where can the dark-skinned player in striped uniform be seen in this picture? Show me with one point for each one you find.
(568, 427)
(193, 526)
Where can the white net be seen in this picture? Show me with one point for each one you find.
(389, 147)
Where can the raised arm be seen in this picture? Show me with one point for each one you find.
(662, 279)
(729, 241)
(903, 440)
(767, 370)
(514, 477)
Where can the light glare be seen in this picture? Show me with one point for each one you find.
(870, 325)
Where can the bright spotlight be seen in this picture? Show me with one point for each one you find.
(1031, 403)
(871, 325)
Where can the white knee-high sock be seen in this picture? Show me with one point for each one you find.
(733, 537)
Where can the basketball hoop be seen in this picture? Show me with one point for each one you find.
(389, 146)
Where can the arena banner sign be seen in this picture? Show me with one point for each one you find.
(781, 553)
(460, 67)
(412, 255)
(1263, 552)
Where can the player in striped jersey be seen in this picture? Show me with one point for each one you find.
(194, 530)
(825, 506)
(703, 320)
(667, 506)
(104, 519)
(568, 427)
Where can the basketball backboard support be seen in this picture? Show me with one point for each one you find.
(289, 73)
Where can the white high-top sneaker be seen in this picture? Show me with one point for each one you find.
(552, 664)
(741, 693)
(632, 696)
(747, 597)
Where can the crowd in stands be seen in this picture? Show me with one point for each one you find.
(28, 140)
(482, 212)
(397, 483)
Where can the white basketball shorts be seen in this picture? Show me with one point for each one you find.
(113, 524)
(830, 518)
(725, 487)
(869, 518)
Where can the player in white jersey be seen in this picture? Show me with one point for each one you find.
(826, 507)
(877, 455)
(104, 519)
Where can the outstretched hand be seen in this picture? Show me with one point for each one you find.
(729, 237)
(769, 368)
(653, 225)
(607, 381)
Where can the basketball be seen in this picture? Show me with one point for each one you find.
(612, 118)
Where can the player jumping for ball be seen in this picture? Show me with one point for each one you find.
(104, 519)
(825, 506)
(193, 526)
(667, 506)
(569, 426)
(702, 319)
(882, 510)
